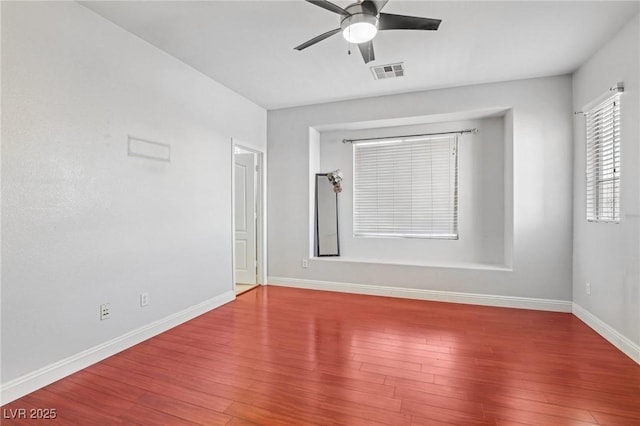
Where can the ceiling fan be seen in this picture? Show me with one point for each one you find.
(361, 21)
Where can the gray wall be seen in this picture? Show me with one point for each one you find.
(83, 223)
(538, 188)
(608, 255)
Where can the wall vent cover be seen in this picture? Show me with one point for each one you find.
(388, 71)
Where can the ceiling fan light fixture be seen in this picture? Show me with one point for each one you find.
(360, 32)
(359, 28)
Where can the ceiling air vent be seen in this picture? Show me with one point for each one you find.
(388, 71)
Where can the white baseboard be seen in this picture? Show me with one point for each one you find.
(629, 348)
(35, 380)
(432, 295)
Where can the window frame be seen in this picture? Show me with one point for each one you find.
(602, 161)
(405, 144)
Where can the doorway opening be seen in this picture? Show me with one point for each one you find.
(248, 218)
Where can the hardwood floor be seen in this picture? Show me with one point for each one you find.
(280, 356)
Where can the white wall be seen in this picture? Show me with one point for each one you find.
(82, 222)
(608, 255)
(538, 154)
(480, 198)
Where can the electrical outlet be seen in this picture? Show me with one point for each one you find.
(305, 263)
(144, 299)
(588, 289)
(105, 311)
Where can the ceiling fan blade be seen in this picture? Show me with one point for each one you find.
(318, 39)
(330, 7)
(375, 6)
(367, 51)
(400, 22)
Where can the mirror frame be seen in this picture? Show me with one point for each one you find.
(319, 177)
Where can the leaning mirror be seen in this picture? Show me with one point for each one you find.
(328, 185)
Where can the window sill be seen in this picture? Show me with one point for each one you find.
(445, 265)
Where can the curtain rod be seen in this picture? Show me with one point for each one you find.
(474, 130)
(618, 88)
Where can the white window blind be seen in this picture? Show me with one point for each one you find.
(603, 161)
(406, 188)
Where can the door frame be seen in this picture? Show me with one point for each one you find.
(261, 211)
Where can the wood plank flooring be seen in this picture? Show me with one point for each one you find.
(281, 356)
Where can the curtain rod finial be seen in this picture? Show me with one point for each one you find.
(619, 87)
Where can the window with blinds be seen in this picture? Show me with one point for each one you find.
(603, 161)
(406, 188)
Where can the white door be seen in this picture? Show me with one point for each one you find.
(245, 218)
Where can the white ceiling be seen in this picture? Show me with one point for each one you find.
(248, 45)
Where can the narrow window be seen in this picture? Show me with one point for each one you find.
(406, 188)
(603, 161)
